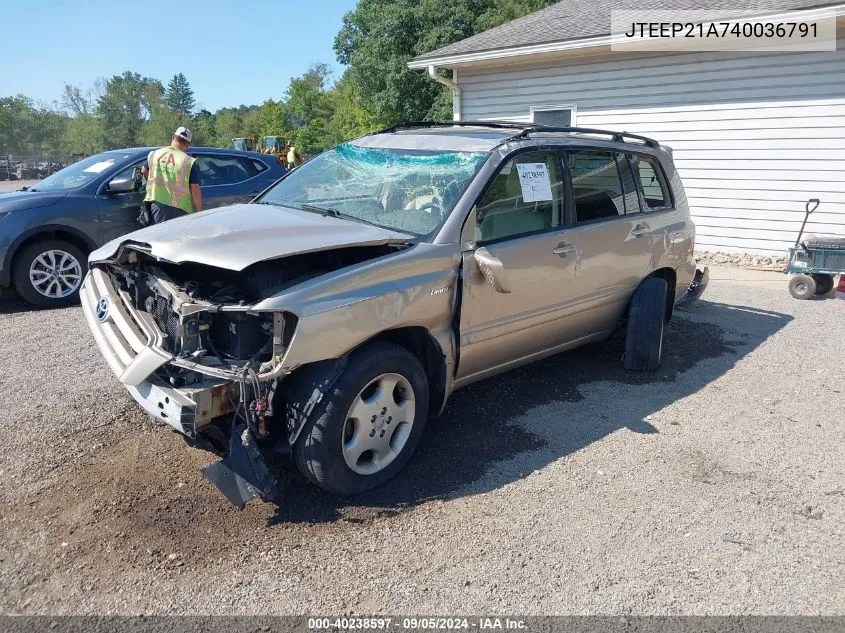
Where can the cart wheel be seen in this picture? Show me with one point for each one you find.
(824, 283)
(802, 286)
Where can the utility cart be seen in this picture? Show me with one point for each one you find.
(815, 262)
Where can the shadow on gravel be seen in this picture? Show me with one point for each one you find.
(476, 432)
(12, 304)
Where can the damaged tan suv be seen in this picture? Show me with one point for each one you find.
(329, 317)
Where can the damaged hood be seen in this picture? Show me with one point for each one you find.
(237, 236)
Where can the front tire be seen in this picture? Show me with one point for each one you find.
(367, 426)
(49, 273)
(802, 286)
(646, 318)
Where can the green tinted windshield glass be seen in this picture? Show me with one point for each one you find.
(412, 191)
(81, 173)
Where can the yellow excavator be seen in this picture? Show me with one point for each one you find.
(276, 145)
(245, 144)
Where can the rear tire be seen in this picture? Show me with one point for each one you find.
(646, 318)
(824, 283)
(802, 286)
(340, 426)
(49, 273)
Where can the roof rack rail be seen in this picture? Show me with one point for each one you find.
(617, 136)
(525, 129)
(410, 125)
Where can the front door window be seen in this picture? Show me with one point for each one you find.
(525, 197)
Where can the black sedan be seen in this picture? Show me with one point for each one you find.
(47, 231)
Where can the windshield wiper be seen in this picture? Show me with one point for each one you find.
(334, 213)
(324, 211)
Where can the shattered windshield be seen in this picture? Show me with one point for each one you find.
(412, 191)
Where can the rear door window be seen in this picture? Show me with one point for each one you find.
(219, 169)
(597, 185)
(652, 181)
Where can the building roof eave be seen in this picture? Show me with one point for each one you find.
(451, 61)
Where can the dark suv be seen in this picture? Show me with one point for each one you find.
(47, 231)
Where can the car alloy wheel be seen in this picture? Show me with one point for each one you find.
(55, 274)
(378, 424)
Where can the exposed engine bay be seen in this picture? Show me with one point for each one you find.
(205, 312)
(224, 353)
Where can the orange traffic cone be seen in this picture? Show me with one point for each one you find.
(840, 289)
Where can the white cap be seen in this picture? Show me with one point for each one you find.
(183, 133)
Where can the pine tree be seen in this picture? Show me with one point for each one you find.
(179, 97)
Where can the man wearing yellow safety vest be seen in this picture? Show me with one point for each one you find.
(293, 158)
(173, 187)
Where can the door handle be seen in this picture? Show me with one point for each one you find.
(676, 238)
(640, 230)
(563, 249)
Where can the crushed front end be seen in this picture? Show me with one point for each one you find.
(186, 344)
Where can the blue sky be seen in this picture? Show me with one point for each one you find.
(232, 51)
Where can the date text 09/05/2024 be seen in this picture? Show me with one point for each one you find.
(414, 623)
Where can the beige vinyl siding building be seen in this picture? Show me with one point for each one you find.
(753, 135)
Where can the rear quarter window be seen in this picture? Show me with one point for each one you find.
(652, 182)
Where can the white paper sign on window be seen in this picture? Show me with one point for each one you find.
(103, 165)
(534, 180)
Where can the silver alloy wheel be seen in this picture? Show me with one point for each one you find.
(378, 424)
(55, 274)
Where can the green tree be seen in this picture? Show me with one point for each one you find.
(76, 101)
(350, 118)
(228, 125)
(179, 97)
(160, 127)
(236, 122)
(7, 122)
(82, 135)
(29, 129)
(309, 110)
(50, 126)
(272, 118)
(17, 121)
(125, 106)
(252, 124)
(203, 128)
(379, 37)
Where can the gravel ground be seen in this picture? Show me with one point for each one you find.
(714, 486)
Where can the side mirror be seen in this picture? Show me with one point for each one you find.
(122, 184)
(493, 270)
